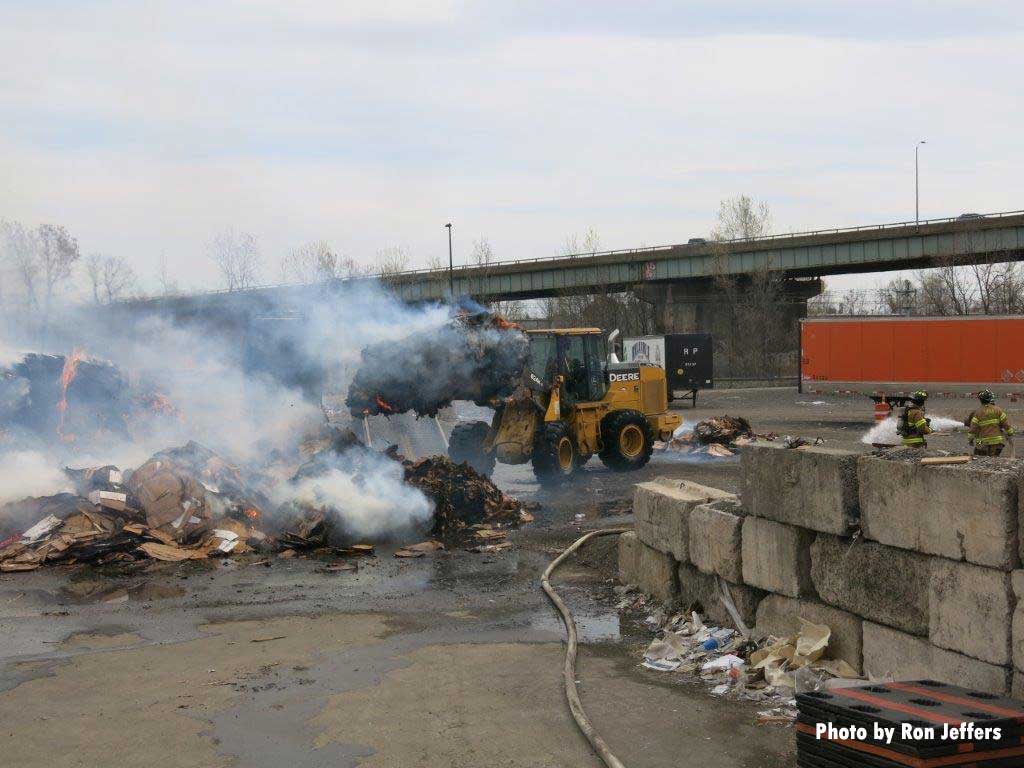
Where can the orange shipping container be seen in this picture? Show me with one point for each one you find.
(955, 354)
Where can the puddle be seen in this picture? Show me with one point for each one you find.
(95, 641)
(93, 591)
(592, 628)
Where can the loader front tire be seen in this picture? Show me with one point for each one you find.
(555, 456)
(627, 440)
(466, 444)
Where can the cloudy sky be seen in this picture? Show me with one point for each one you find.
(145, 127)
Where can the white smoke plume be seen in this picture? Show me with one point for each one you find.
(366, 493)
(241, 374)
(30, 473)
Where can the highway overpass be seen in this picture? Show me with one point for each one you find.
(677, 279)
(905, 245)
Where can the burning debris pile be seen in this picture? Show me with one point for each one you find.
(72, 396)
(188, 503)
(468, 507)
(716, 437)
(475, 357)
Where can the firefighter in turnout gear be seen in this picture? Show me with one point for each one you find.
(913, 424)
(987, 426)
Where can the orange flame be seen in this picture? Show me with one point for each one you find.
(383, 406)
(253, 514)
(67, 375)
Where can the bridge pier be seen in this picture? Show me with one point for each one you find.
(702, 306)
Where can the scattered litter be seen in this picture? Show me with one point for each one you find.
(661, 665)
(769, 670)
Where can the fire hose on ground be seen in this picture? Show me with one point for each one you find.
(569, 670)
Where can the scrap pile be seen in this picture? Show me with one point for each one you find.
(770, 670)
(468, 507)
(188, 503)
(716, 437)
(477, 357)
(158, 513)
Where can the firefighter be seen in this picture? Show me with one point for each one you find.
(914, 425)
(987, 426)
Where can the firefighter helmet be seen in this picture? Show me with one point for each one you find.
(919, 397)
(987, 396)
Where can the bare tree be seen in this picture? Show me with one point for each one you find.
(19, 246)
(752, 324)
(482, 254)
(94, 271)
(311, 263)
(168, 285)
(742, 217)
(57, 252)
(392, 260)
(237, 256)
(110, 278)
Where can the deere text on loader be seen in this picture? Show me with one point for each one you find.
(572, 402)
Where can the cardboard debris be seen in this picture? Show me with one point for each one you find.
(40, 529)
(171, 553)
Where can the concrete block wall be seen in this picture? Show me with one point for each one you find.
(917, 569)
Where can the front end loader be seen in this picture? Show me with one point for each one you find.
(573, 402)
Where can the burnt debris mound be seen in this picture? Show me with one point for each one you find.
(475, 356)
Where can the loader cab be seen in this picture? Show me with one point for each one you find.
(576, 354)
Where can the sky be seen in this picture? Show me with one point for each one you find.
(145, 127)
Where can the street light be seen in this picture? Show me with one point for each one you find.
(917, 185)
(451, 266)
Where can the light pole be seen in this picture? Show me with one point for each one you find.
(451, 265)
(917, 185)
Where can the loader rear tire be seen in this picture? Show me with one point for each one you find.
(555, 456)
(466, 444)
(627, 439)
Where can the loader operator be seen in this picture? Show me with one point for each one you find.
(987, 425)
(913, 424)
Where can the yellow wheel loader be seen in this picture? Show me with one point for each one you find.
(573, 401)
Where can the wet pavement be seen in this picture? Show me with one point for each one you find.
(451, 659)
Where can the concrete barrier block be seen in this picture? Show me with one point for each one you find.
(661, 510)
(651, 571)
(696, 588)
(780, 616)
(1017, 628)
(971, 610)
(890, 652)
(716, 536)
(776, 557)
(960, 512)
(883, 584)
(1017, 689)
(813, 488)
(629, 554)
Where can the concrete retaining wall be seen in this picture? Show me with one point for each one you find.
(931, 587)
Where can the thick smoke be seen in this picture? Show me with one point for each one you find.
(29, 473)
(247, 375)
(366, 493)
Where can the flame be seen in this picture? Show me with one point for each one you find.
(253, 514)
(160, 403)
(67, 375)
(382, 405)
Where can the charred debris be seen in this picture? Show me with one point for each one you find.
(476, 356)
(188, 503)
